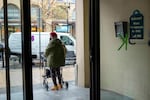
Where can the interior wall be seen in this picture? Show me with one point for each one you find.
(82, 39)
(125, 71)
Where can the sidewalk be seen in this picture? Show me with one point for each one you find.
(37, 72)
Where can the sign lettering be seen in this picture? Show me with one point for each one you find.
(136, 25)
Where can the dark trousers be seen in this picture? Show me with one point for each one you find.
(56, 74)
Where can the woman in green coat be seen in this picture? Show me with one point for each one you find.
(55, 54)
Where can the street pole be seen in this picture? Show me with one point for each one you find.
(39, 25)
(67, 19)
(67, 8)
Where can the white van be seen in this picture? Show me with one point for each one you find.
(40, 46)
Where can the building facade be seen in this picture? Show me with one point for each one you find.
(40, 21)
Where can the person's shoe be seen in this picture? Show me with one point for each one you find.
(54, 88)
(59, 86)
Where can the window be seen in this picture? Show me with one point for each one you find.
(13, 12)
(66, 40)
(71, 1)
(60, 0)
(74, 15)
(35, 12)
(63, 28)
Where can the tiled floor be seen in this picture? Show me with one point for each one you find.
(73, 93)
(39, 92)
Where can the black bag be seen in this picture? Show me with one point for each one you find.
(48, 73)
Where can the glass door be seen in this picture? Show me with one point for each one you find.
(11, 66)
(12, 57)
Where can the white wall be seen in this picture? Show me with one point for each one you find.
(82, 39)
(125, 72)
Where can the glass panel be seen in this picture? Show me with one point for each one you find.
(15, 64)
(14, 61)
(66, 40)
(2, 58)
(2, 73)
(42, 16)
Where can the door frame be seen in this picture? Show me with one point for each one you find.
(26, 50)
(8, 95)
(94, 30)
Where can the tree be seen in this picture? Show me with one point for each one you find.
(53, 10)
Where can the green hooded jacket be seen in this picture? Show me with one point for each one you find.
(55, 53)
